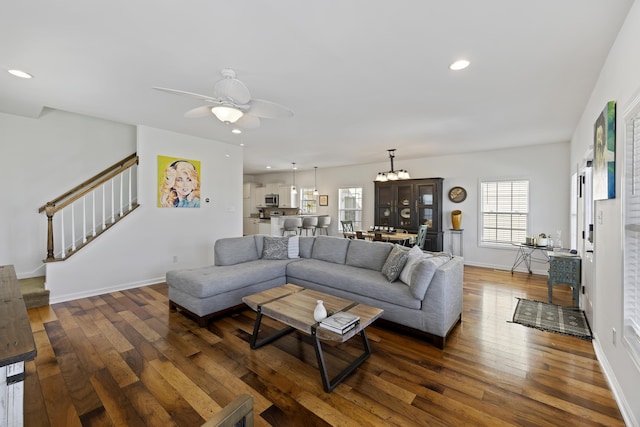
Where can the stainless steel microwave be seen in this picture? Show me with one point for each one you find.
(271, 200)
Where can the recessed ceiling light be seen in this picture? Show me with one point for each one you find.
(459, 65)
(236, 131)
(20, 73)
(268, 167)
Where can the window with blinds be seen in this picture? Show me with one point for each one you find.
(505, 211)
(350, 206)
(631, 328)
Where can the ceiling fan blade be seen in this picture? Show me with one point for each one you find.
(189, 94)
(198, 112)
(233, 90)
(248, 122)
(269, 110)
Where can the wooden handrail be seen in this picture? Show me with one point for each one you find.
(76, 193)
(94, 185)
(123, 164)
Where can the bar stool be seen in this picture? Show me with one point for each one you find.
(309, 223)
(323, 224)
(291, 225)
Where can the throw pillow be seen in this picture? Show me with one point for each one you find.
(423, 274)
(275, 248)
(415, 255)
(394, 263)
(294, 247)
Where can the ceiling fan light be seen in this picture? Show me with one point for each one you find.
(226, 114)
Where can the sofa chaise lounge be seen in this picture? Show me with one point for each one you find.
(425, 297)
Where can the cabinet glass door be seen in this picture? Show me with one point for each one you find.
(384, 204)
(425, 207)
(404, 214)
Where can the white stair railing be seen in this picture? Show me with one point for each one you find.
(113, 191)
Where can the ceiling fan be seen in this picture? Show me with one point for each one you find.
(231, 103)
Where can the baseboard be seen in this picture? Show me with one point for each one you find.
(623, 404)
(506, 268)
(93, 292)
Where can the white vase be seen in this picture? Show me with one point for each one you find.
(320, 313)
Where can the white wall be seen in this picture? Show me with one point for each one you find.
(42, 158)
(546, 166)
(140, 249)
(619, 81)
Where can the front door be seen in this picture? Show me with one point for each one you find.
(585, 222)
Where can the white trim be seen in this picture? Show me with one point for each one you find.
(105, 290)
(623, 405)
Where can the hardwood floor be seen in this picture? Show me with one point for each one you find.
(123, 359)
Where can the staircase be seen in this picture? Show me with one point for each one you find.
(33, 292)
(77, 217)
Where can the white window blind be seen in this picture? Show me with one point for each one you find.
(631, 331)
(350, 206)
(505, 211)
(308, 201)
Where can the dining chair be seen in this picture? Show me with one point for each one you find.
(347, 227)
(404, 242)
(422, 236)
(359, 235)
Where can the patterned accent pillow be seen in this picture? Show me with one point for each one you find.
(394, 263)
(275, 248)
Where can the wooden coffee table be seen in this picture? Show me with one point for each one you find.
(293, 305)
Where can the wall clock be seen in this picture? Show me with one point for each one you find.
(457, 194)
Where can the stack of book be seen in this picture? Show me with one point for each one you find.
(340, 322)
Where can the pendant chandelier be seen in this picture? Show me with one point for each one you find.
(293, 188)
(315, 181)
(392, 175)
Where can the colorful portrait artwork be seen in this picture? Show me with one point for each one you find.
(604, 154)
(178, 183)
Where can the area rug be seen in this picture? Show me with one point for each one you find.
(553, 318)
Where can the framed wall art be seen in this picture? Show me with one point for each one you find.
(323, 200)
(604, 154)
(178, 183)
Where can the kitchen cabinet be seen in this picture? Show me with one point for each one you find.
(259, 195)
(249, 199)
(250, 226)
(287, 198)
(409, 203)
(264, 227)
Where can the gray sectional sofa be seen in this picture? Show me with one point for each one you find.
(426, 297)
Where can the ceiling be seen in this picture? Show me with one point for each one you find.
(361, 76)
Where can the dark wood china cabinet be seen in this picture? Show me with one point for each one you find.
(408, 203)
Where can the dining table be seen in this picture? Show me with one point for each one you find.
(386, 236)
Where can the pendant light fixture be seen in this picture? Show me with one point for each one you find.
(392, 175)
(315, 181)
(293, 187)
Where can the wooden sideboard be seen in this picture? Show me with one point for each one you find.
(16, 346)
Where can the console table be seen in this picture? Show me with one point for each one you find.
(564, 269)
(527, 254)
(16, 346)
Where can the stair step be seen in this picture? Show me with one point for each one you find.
(33, 292)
